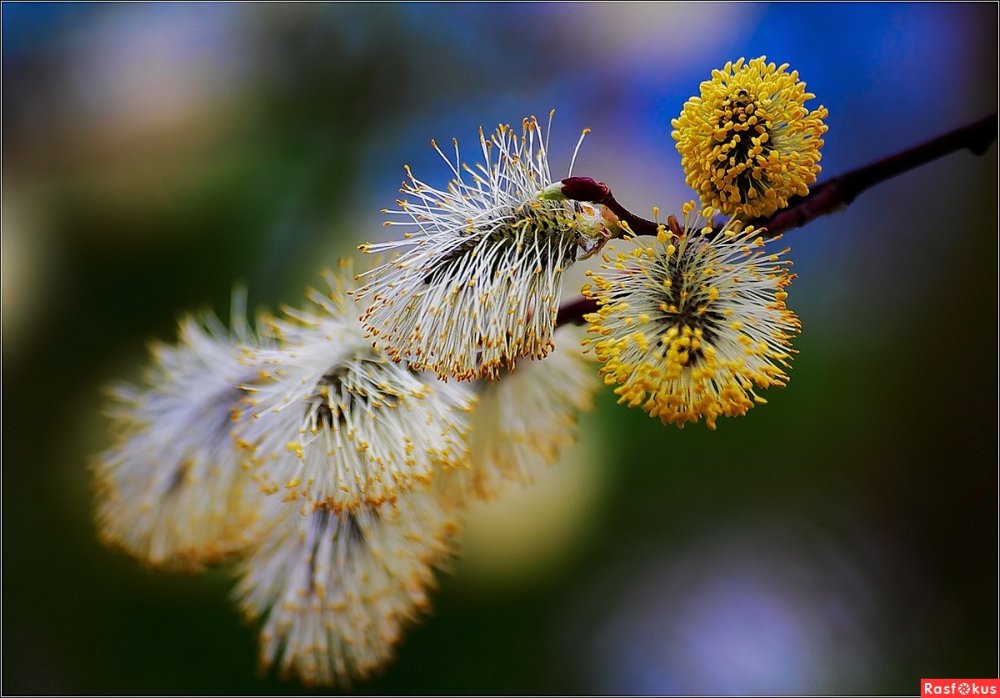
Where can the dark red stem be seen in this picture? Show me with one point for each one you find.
(839, 192)
(827, 197)
(572, 312)
(587, 189)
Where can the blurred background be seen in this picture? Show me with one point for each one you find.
(841, 539)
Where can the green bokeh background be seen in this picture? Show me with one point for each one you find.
(154, 155)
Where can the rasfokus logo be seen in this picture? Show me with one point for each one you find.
(959, 687)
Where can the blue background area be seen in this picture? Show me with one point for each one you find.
(841, 538)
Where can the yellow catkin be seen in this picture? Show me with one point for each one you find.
(748, 143)
(692, 332)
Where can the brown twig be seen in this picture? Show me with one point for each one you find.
(839, 192)
(827, 197)
(572, 312)
(592, 191)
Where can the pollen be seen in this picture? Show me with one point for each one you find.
(334, 590)
(475, 281)
(172, 490)
(748, 143)
(338, 423)
(523, 421)
(701, 334)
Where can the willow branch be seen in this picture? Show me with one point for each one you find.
(839, 192)
(592, 191)
(829, 196)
